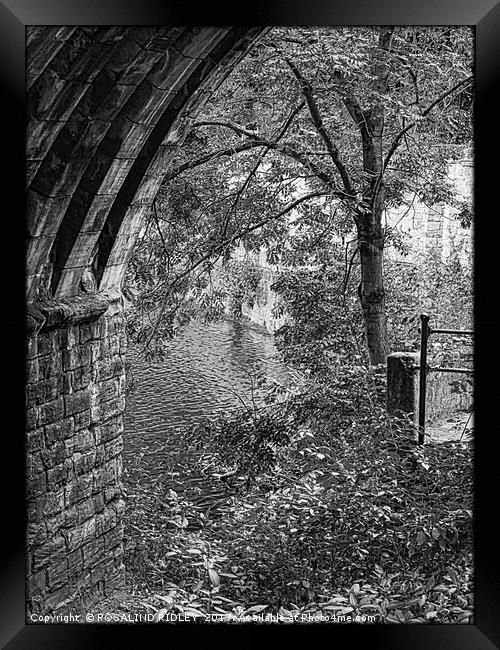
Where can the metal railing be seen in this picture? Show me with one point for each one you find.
(425, 332)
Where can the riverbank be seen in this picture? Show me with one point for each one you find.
(346, 516)
(265, 550)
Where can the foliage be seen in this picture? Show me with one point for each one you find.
(324, 325)
(278, 158)
(318, 501)
(443, 290)
(240, 279)
(343, 514)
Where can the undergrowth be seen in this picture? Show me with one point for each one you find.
(327, 507)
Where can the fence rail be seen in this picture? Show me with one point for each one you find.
(424, 369)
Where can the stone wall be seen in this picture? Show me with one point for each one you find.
(75, 400)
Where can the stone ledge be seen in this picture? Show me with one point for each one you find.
(47, 315)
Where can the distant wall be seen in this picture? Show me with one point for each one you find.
(436, 228)
(262, 309)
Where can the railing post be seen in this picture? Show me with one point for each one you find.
(424, 336)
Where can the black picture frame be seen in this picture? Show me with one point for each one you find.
(15, 15)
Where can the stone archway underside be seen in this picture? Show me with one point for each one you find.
(105, 106)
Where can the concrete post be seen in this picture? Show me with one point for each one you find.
(402, 383)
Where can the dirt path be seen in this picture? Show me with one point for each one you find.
(458, 427)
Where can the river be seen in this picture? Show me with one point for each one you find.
(209, 369)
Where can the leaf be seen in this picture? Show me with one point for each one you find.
(421, 538)
(159, 615)
(255, 609)
(214, 577)
(193, 612)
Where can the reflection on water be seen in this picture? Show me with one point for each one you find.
(209, 369)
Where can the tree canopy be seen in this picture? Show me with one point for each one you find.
(301, 151)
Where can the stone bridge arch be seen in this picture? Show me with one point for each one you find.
(105, 106)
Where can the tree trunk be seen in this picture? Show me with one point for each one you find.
(372, 294)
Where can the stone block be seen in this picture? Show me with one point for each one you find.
(57, 574)
(105, 521)
(53, 503)
(81, 582)
(109, 368)
(58, 431)
(37, 583)
(78, 490)
(98, 502)
(111, 430)
(51, 412)
(111, 492)
(102, 569)
(50, 365)
(80, 355)
(118, 554)
(48, 343)
(57, 599)
(89, 332)
(109, 346)
(110, 472)
(80, 512)
(44, 391)
(59, 474)
(31, 370)
(36, 486)
(55, 524)
(104, 411)
(84, 463)
(75, 560)
(79, 535)
(402, 382)
(49, 553)
(31, 418)
(36, 534)
(81, 420)
(32, 347)
(93, 552)
(113, 538)
(34, 465)
(69, 337)
(77, 402)
(34, 440)
(80, 442)
(115, 580)
(113, 448)
(108, 389)
(53, 455)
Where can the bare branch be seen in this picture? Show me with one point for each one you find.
(253, 171)
(191, 164)
(332, 149)
(287, 150)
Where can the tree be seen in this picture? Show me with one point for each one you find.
(324, 129)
